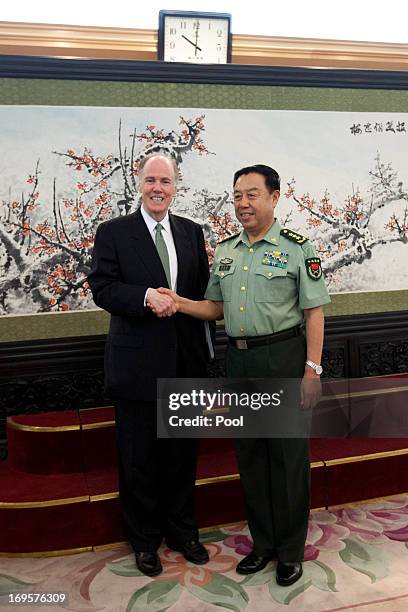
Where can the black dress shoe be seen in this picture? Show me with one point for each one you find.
(288, 573)
(193, 551)
(148, 563)
(252, 563)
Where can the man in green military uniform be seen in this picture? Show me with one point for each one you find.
(267, 283)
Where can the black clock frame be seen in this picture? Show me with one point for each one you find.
(191, 15)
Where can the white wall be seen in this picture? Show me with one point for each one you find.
(369, 20)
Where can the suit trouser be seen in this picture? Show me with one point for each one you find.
(156, 479)
(275, 472)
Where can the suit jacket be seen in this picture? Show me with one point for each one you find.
(140, 346)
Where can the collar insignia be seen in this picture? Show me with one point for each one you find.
(225, 264)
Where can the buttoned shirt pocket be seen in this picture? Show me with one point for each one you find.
(273, 285)
(226, 279)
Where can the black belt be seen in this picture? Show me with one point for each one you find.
(254, 341)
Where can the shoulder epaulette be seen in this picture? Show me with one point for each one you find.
(229, 238)
(293, 236)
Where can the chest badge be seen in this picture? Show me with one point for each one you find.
(276, 259)
(225, 264)
(314, 267)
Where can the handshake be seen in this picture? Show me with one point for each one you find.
(163, 302)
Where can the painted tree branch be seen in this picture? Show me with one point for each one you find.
(51, 273)
(346, 232)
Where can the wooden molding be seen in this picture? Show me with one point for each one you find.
(77, 41)
(319, 53)
(69, 41)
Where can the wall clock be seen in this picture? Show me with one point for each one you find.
(189, 36)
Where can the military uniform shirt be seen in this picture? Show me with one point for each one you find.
(265, 286)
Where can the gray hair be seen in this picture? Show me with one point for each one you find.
(170, 158)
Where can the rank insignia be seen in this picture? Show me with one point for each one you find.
(293, 236)
(277, 259)
(225, 264)
(314, 267)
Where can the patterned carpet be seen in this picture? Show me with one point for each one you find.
(356, 559)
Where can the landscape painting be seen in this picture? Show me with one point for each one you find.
(64, 170)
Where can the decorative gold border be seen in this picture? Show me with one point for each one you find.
(105, 424)
(59, 40)
(367, 393)
(44, 504)
(100, 547)
(36, 428)
(214, 479)
(221, 526)
(49, 553)
(104, 496)
(227, 477)
(100, 425)
(199, 482)
(102, 407)
(357, 458)
(364, 501)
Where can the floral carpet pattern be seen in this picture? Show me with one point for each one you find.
(356, 558)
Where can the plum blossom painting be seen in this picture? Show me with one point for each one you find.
(64, 170)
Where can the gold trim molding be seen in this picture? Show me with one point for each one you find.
(318, 53)
(99, 425)
(55, 40)
(48, 553)
(365, 501)
(104, 496)
(44, 504)
(369, 457)
(69, 41)
(40, 428)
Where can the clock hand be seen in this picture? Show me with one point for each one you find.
(191, 42)
(196, 41)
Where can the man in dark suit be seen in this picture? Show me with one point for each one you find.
(133, 255)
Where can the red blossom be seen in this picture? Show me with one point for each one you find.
(313, 222)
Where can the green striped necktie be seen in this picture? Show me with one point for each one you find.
(163, 252)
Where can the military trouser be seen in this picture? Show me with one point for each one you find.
(275, 472)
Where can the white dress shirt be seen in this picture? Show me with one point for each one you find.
(168, 239)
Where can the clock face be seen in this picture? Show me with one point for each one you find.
(201, 40)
